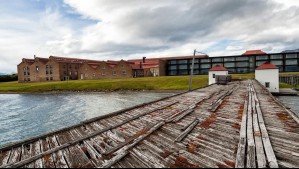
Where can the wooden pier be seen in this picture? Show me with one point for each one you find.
(237, 125)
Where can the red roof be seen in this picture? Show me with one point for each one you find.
(218, 68)
(267, 66)
(254, 52)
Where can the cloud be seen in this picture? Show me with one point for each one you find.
(100, 29)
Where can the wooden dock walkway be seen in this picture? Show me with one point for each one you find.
(237, 125)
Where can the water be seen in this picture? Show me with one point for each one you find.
(291, 101)
(24, 116)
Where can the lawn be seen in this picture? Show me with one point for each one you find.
(152, 83)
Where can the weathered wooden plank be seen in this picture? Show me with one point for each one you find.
(241, 156)
(187, 131)
(251, 155)
(48, 160)
(4, 157)
(15, 155)
(58, 157)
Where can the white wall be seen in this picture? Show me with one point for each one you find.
(213, 80)
(271, 76)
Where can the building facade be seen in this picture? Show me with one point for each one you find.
(268, 75)
(63, 69)
(246, 63)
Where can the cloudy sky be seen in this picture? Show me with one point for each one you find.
(126, 29)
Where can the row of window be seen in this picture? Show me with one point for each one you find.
(233, 59)
(231, 70)
(114, 73)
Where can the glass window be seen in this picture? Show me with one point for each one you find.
(242, 58)
(114, 72)
(242, 64)
(124, 72)
(267, 85)
(51, 78)
(232, 70)
(183, 67)
(183, 62)
(291, 56)
(230, 64)
(47, 79)
(183, 72)
(204, 71)
(172, 73)
(217, 59)
(47, 72)
(242, 70)
(276, 57)
(47, 67)
(51, 66)
(196, 72)
(172, 67)
(172, 62)
(205, 60)
(264, 57)
(25, 73)
(196, 61)
(37, 68)
(196, 66)
(232, 59)
(292, 62)
(292, 68)
(277, 62)
(205, 66)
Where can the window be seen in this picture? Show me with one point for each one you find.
(277, 62)
(183, 72)
(29, 80)
(173, 62)
(64, 73)
(70, 66)
(25, 73)
(122, 66)
(70, 73)
(47, 72)
(76, 73)
(183, 62)
(217, 64)
(242, 58)
(196, 66)
(51, 72)
(205, 66)
(259, 63)
(94, 74)
(47, 66)
(267, 85)
(51, 78)
(183, 67)
(24, 69)
(204, 71)
(37, 68)
(242, 70)
(242, 64)
(205, 60)
(292, 62)
(264, 57)
(291, 56)
(292, 68)
(103, 74)
(47, 79)
(232, 59)
(64, 66)
(51, 67)
(229, 64)
(172, 73)
(114, 73)
(276, 57)
(104, 68)
(124, 72)
(217, 59)
(28, 73)
(214, 76)
(174, 67)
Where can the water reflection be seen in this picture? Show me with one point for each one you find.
(23, 116)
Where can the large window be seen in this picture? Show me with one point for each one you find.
(292, 62)
(229, 65)
(232, 70)
(205, 66)
(242, 64)
(172, 73)
(242, 70)
(205, 60)
(277, 62)
(183, 67)
(174, 67)
(172, 62)
(291, 56)
(217, 59)
(276, 57)
(292, 68)
(196, 66)
(183, 62)
(231, 59)
(204, 71)
(242, 58)
(264, 57)
(183, 72)
(217, 64)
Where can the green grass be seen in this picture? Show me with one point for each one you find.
(157, 83)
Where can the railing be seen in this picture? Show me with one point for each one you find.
(292, 80)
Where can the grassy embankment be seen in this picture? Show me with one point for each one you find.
(158, 83)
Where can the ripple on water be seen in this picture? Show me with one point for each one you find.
(23, 116)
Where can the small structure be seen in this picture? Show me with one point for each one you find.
(268, 75)
(216, 71)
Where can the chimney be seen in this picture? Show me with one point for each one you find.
(144, 59)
